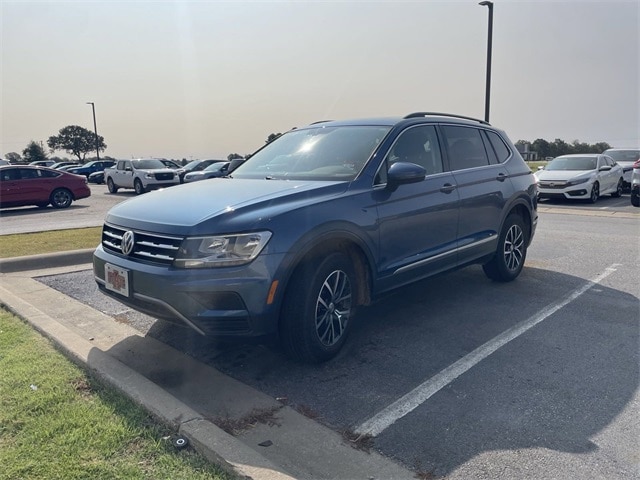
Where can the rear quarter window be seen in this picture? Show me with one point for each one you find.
(502, 151)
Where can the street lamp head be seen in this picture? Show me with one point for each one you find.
(486, 4)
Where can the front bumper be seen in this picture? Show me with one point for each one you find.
(576, 192)
(215, 301)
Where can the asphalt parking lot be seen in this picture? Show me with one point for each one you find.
(456, 376)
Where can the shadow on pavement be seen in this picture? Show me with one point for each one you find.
(554, 387)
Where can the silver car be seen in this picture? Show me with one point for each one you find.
(580, 177)
(635, 184)
(625, 157)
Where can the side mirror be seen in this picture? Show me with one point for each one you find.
(401, 173)
(604, 168)
(540, 167)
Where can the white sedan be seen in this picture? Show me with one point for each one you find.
(580, 177)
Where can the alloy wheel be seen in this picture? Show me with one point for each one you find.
(514, 247)
(333, 307)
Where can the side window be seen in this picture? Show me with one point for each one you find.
(28, 173)
(47, 174)
(465, 147)
(502, 151)
(120, 165)
(417, 145)
(9, 174)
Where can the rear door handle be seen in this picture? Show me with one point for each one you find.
(501, 177)
(447, 188)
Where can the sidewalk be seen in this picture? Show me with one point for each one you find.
(270, 440)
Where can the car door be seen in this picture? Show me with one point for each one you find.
(483, 186)
(612, 175)
(417, 221)
(9, 191)
(125, 174)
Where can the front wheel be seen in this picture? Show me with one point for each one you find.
(137, 185)
(509, 258)
(317, 310)
(61, 198)
(635, 198)
(112, 186)
(595, 192)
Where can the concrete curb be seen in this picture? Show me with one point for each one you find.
(209, 440)
(46, 260)
(114, 352)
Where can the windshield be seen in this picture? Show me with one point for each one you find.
(150, 164)
(624, 155)
(572, 163)
(317, 153)
(214, 167)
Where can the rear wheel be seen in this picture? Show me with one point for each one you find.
(317, 311)
(509, 258)
(635, 198)
(61, 198)
(111, 186)
(619, 188)
(595, 192)
(137, 185)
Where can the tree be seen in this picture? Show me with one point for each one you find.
(33, 153)
(232, 156)
(541, 146)
(13, 157)
(77, 141)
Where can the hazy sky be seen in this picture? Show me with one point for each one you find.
(202, 79)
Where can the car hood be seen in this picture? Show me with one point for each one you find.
(220, 204)
(547, 175)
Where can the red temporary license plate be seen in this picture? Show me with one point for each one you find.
(116, 279)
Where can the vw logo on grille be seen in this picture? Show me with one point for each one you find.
(128, 242)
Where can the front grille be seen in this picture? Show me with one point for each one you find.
(558, 185)
(149, 247)
(164, 176)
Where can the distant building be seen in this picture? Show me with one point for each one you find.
(527, 154)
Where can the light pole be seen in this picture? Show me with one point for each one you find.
(95, 128)
(489, 41)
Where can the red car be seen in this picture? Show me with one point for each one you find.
(29, 185)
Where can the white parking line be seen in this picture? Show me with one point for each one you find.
(409, 402)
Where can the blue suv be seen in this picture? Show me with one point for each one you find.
(321, 220)
(92, 167)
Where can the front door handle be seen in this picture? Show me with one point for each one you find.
(447, 188)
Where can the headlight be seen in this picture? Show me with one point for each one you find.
(148, 175)
(221, 251)
(577, 181)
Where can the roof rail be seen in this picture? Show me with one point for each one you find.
(438, 114)
(320, 121)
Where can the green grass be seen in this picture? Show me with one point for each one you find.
(56, 422)
(18, 245)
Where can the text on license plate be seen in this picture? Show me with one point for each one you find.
(116, 279)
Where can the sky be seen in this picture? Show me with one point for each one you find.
(203, 79)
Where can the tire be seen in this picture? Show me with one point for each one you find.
(61, 198)
(595, 193)
(508, 261)
(111, 186)
(635, 199)
(137, 186)
(619, 188)
(317, 310)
